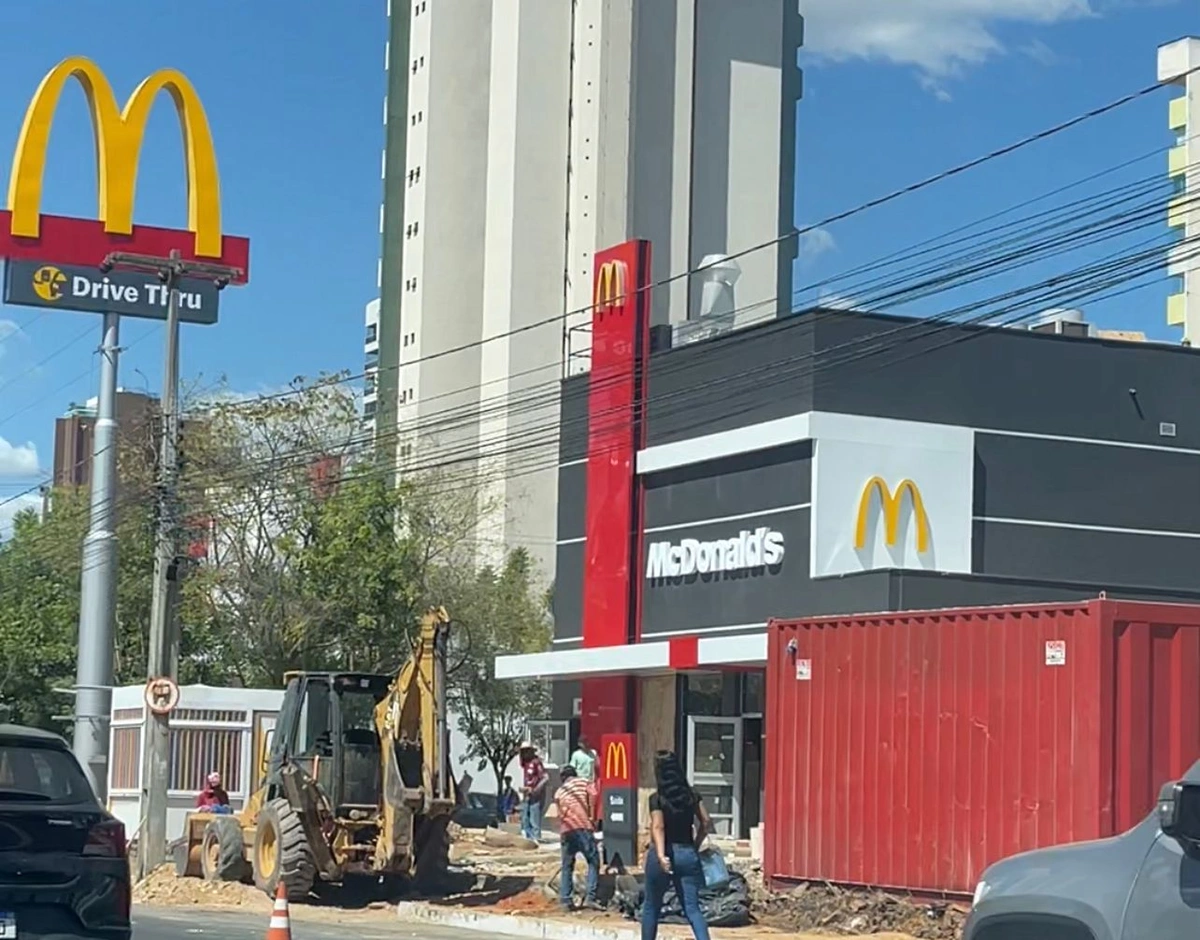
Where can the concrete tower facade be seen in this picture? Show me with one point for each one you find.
(520, 137)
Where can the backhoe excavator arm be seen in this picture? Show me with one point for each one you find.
(411, 722)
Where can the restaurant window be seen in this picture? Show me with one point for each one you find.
(552, 739)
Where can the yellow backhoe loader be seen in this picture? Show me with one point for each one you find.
(357, 782)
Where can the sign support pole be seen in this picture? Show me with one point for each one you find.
(98, 599)
(162, 657)
(157, 743)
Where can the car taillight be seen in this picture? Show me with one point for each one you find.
(106, 840)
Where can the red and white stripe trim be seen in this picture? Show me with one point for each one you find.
(684, 652)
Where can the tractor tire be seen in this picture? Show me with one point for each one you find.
(222, 850)
(282, 854)
(431, 856)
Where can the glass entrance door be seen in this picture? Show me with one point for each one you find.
(715, 769)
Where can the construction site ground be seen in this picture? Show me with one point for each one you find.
(498, 873)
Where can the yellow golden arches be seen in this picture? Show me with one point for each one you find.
(119, 134)
(890, 504)
(610, 285)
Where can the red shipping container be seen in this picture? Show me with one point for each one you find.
(911, 750)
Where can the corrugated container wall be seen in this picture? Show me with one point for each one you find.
(912, 750)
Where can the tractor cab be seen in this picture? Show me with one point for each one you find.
(326, 730)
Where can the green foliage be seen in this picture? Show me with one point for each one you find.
(498, 613)
(40, 568)
(315, 560)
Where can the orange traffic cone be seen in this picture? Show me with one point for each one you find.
(281, 924)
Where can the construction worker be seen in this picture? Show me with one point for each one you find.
(583, 759)
(575, 801)
(213, 798)
(533, 791)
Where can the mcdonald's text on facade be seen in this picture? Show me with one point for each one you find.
(27, 234)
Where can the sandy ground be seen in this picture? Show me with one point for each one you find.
(511, 880)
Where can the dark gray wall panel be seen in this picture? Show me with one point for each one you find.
(749, 376)
(1006, 379)
(568, 591)
(562, 698)
(572, 501)
(1145, 562)
(1089, 484)
(728, 487)
(919, 590)
(573, 437)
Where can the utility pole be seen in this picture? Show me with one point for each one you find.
(161, 659)
(97, 590)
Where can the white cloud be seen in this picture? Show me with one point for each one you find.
(939, 37)
(18, 460)
(814, 242)
(10, 509)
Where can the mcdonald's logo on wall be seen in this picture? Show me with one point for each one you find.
(891, 504)
(119, 134)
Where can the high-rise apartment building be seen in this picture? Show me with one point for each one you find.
(520, 137)
(371, 365)
(1178, 63)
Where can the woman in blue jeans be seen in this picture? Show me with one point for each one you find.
(678, 824)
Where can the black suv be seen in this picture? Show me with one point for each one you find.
(64, 869)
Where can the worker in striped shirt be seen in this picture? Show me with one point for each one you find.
(576, 800)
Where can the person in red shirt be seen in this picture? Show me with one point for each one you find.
(533, 791)
(213, 798)
(576, 800)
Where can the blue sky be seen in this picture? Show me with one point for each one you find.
(895, 91)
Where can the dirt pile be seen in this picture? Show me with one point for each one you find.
(162, 887)
(837, 911)
(531, 901)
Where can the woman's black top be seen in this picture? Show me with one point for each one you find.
(678, 827)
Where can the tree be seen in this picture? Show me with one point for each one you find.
(40, 568)
(317, 559)
(498, 613)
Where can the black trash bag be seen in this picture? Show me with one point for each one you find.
(727, 905)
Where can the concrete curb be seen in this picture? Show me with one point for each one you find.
(511, 925)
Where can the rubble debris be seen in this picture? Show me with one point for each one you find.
(844, 911)
(498, 838)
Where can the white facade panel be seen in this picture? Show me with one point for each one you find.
(890, 494)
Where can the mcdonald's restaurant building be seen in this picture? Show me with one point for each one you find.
(838, 462)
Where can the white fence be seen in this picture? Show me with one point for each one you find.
(212, 729)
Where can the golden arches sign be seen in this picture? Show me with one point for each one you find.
(610, 285)
(616, 761)
(891, 504)
(119, 133)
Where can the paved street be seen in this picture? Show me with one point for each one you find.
(164, 923)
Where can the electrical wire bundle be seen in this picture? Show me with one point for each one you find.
(1120, 233)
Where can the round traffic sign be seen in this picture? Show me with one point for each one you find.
(162, 695)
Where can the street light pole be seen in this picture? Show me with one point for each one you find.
(97, 590)
(161, 660)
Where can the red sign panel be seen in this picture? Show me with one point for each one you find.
(618, 760)
(620, 351)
